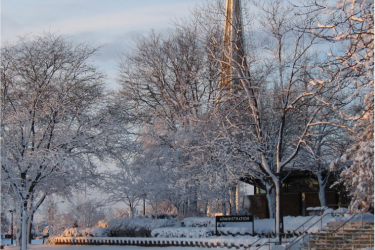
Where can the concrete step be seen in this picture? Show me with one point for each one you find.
(353, 235)
(334, 248)
(361, 241)
(328, 239)
(350, 224)
(327, 236)
(366, 238)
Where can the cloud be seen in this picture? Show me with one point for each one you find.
(150, 16)
(101, 24)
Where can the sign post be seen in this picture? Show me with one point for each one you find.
(235, 218)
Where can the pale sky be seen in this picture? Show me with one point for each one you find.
(111, 23)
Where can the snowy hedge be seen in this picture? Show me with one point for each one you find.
(200, 227)
(192, 227)
(198, 222)
(163, 216)
(136, 227)
(125, 227)
(182, 232)
(86, 232)
(198, 232)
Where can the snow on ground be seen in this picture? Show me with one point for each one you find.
(47, 247)
(192, 229)
(191, 225)
(38, 245)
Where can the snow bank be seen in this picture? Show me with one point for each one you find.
(136, 227)
(192, 227)
(198, 222)
(125, 227)
(119, 224)
(183, 232)
(86, 232)
(203, 227)
(201, 231)
(198, 232)
(243, 242)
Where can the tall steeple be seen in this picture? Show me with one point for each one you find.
(233, 57)
(233, 67)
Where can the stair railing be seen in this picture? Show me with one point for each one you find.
(255, 242)
(343, 224)
(267, 243)
(305, 232)
(294, 231)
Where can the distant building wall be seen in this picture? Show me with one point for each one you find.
(258, 205)
(294, 204)
(291, 203)
(311, 199)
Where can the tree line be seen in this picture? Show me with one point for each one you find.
(172, 133)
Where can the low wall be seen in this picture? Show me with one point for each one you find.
(232, 242)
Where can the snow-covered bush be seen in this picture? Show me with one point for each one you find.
(198, 222)
(51, 240)
(163, 216)
(136, 227)
(125, 227)
(203, 227)
(183, 232)
(85, 232)
(102, 224)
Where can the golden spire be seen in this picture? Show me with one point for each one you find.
(233, 56)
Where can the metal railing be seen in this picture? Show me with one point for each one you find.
(269, 243)
(294, 231)
(266, 243)
(343, 224)
(305, 232)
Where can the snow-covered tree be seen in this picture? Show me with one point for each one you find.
(123, 185)
(321, 148)
(84, 212)
(5, 223)
(52, 221)
(350, 26)
(50, 97)
(358, 177)
(169, 84)
(282, 96)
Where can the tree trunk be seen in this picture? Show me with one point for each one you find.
(234, 199)
(207, 208)
(132, 209)
(18, 228)
(194, 203)
(270, 194)
(322, 187)
(29, 228)
(224, 206)
(186, 205)
(154, 206)
(24, 226)
(178, 208)
(279, 224)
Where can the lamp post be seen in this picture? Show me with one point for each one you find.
(11, 227)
